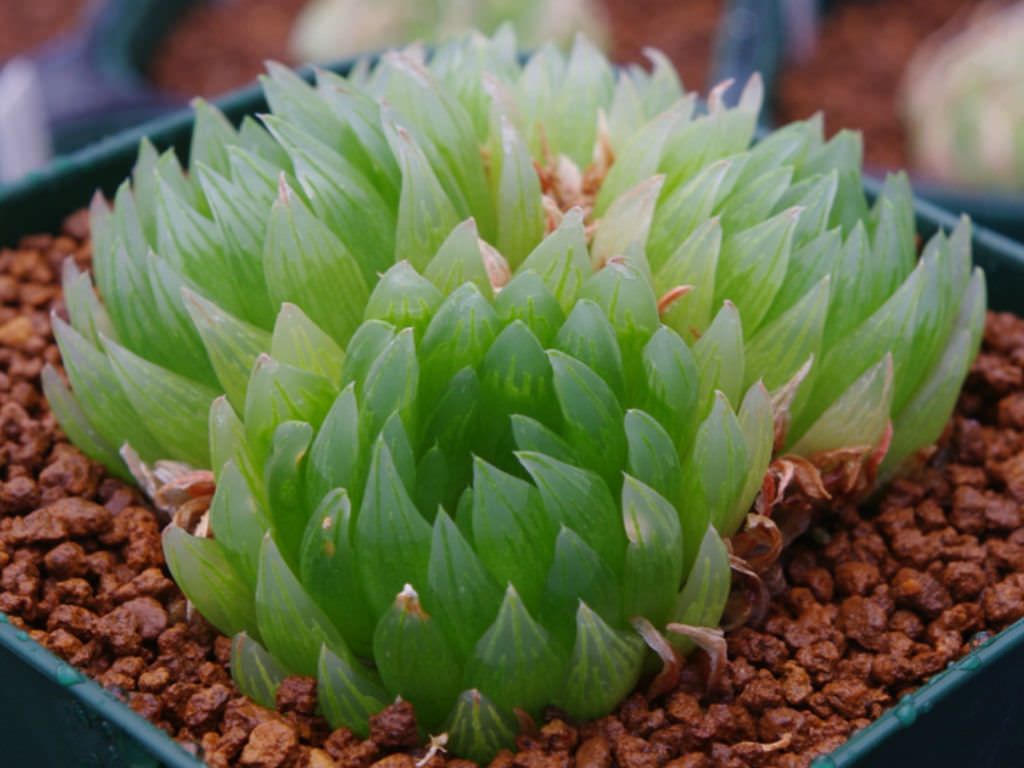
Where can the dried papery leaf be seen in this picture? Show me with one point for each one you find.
(749, 599)
(671, 296)
(176, 489)
(435, 747)
(782, 403)
(759, 543)
(711, 640)
(759, 748)
(672, 664)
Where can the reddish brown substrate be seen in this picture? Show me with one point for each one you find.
(219, 46)
(25, 24)
(877, 602)
(854, 74)
(683, 31)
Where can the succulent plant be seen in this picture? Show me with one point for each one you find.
(963, 99)
(489, 358)
(327, 30)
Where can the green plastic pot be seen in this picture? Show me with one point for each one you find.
(753, 38)
(52, 716)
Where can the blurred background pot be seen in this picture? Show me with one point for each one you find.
(849, 59)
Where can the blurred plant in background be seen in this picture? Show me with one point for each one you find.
(332, 29)
(964, 101)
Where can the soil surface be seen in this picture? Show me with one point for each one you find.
(872, 603)
(854, 75)
(218, 46)
(25, 24)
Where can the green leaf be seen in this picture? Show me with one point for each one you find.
(604, 666)
(852, 277)
(392, 543)
(299, 342)
(211, 137)
(653, 456)
(390, 387)
(239, 521)
(781, 346)
(638, 159)
(327, 565)
(256, 673)
(292, 627)
(341, 197)
(561, 259)
(426, 215)
(360, 137)
(589, 337)
(579, 499)
(592, 415)
(626, 297)
(204, 573)
(528, 299)
(585, 87)
(173, 408)
(459, 261)
(405, 637)
(578, 574)
(684, 209)
(334, 458)
(719, 354)
(284, 473)
(694, 263)
(453, 424)
(512, 533)
(240, 212)
(88, 316)
(515, 662)
(227, 434)
(458, 335)
(722, 464)
(708, 583)
(465, 595)
(531, 435)
(752, 267)
(815, 196)
(254, 140)
(232, 345)
(672, 386)
(654, 556)
(477, 729)
(623, 230)
(348, 692)
(808, 266)
(307, 265)
(517, 194)
(366, 345)
(277, 393)
(757, 422)
(516, 377)
(189, 242)
(403, 298)
(443, 130)
(752, 202)
(858, 417)
(98, 390)
(76, 424)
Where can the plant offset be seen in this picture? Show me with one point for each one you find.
(489, 360)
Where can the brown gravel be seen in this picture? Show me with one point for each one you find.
(875, 602)
(25, 24)
(855, 72)
(218, 46)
